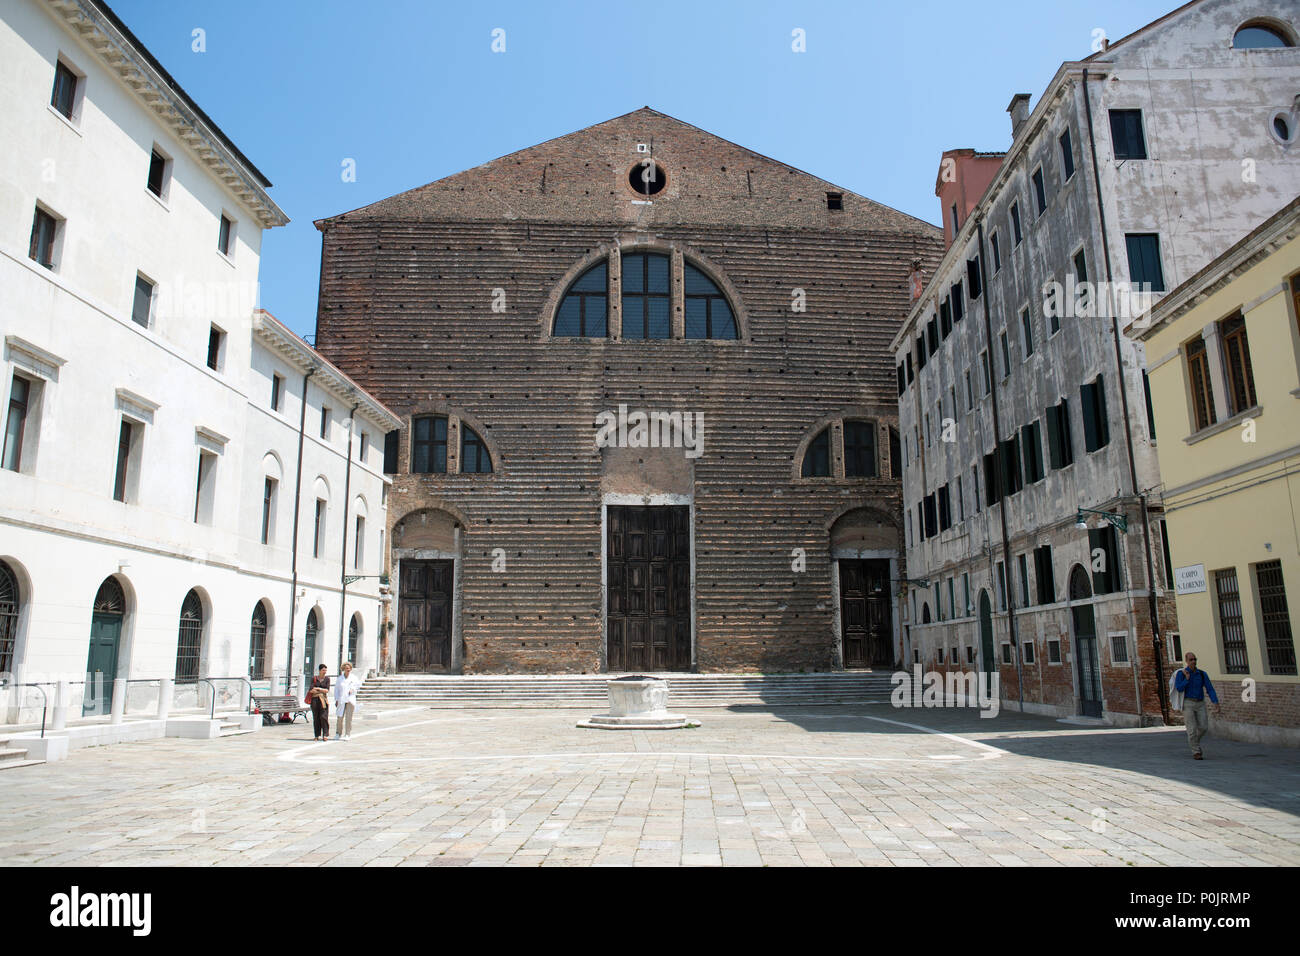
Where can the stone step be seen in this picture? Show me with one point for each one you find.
(13, 757)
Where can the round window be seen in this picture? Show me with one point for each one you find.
(1283, 128)
(647, 177)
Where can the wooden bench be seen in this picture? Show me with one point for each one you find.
(270, 707)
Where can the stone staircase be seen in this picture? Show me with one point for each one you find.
(14, 756)
(588, 690)
(231, 730)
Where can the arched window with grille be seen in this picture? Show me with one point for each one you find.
(817, 458)
(708, 313)
(309, 644)
(474, 457)
(257, 643)
(584, 310)
(9, 609)
(354, 633)
(189, 639)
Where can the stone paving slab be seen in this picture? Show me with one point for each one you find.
(828, 786)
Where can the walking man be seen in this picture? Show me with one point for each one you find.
(1194, 684)
(345, 701)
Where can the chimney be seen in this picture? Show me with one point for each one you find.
(916, 280)
(1019, 110)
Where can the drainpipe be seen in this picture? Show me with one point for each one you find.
(1128, 429)
(1008, 570)
(343, 562)
(297, 499)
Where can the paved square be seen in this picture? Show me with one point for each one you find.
(818, 786)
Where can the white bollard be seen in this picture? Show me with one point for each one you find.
(62, 694)
(165, 697)
(119, 700)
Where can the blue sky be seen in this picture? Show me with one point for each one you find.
(413, 92)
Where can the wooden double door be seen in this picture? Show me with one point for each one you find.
(866, 623)
(648, 583)
(424, 601)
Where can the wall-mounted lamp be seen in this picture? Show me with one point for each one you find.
(1117, 520)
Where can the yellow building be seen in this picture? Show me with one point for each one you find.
(1223, 359)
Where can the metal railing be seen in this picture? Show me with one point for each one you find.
(45, 700)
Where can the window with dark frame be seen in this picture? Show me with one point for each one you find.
(1040, 192)
(1198, 380)
(1016, 234)
(834, 201)
(1044, 576)
(1108, 580)
(277, 392)
(1022, 560)
(1006, 353)
(973, 278)
(16, 423)
(64, 95)
(1126, 134)
(359, 543)
(223, 235)
(584, 309)
(474, 457)
(257, 643)
(1059, 446)
(1119, 649)
(392, 447)
(1166, 555)
(157, 173)
(189, 640)
(1067, 156)
(895, 455)
(202, 487)
(318, 532)
(1054, 651)
(997, 254)
(945, 508)
(142, 304)
(1144, 269)
(945, 317)
(1028, 651)
(45, 230)
(1096, 425)
(363, 448)
(646, 296)
(1275, 618)
(817, 457)
(859, 449)
(1151, 413)
(216, 339)
(1027, 332)
(708, 313)
(1232, 629)
(124, 440)
(958, 303)
(1236, 364)
(325, 422)
(429, 445)
(1031, 447)
(268, 508)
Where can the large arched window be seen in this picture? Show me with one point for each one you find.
(1258, 35)
(354, 634)
(8, 617)
(817, 459)
(646, 296)
(474, 457)
(189, 638)
(708, 314)
(257, 643)
(584, 310)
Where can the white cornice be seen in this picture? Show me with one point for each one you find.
(33, 358)
(128, 62)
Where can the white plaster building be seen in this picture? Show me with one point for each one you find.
(1137, 165)
(150, 411)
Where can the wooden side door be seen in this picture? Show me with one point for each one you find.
(880, 620)
(854, 631)
(424, 601)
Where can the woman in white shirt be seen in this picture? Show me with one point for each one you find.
(345, 701)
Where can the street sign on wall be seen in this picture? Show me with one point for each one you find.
(1190, 580)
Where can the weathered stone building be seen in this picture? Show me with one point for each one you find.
(642, 265)
(1023, 401)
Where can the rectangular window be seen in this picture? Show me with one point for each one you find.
(1236, 364)
(973, 278)
(961, 501)
(965, 595)
(325, 423)
(268, 510)
(159, 174)
(392, 445)
(997, 253)
(932, 335)
(958, 303)
(1006, 653)
(1176, 647)
(952, 605)
(1080, 267)
(922, 356)
(1230, 622)
(226, 235)
(1040, 193)
(938, 607)
(945, 318)
(1031, 447)
(1053, 652)
(142, 306)
(1151, 414)
(1106, 577)
(956, 222)
(45, 231)
(20, 394)
(909, 368)
(1067, 157)
(992, 489)
(1096, 426)
(970, 393)
(975, 486)
(216, 348)
(205, 487)
(1023, 561)
(429, 447)
(930, 513)
(126, 440)
(1016, 234)
(277, 392)
(1126, 134)
(64, 95)
(363, 447)
(909, 528)
(988, 374)
(1002, 586)
(902, 379)
(1029, 651)
(1006, 353)
(945, 509)
(1279, 642)
(859, 450)
(1165, 553)
(1026, 332)
(1198, 380)
(1144, 269)
(970, 653)
(359, 545)
(318, 534)
(1119, 648)
(1044, 576)
(1059, 446)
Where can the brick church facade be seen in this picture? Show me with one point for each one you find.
(649, 409)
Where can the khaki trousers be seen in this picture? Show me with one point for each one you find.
(345, 720)
(1197, 719)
